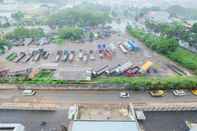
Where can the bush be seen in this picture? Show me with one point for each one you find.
(71, 33)
(79, 16)
(160, 44)
(170, 82)
(21, 32)
(167, 46)
(185, 58)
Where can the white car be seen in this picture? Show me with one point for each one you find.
(179, 92)
(28, 93)
(124, 95)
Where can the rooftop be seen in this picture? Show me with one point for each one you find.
(11, 127)
(104, 126)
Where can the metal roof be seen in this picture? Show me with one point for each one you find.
(13, 126)
(105, 126)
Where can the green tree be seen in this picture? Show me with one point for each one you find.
(194, 28)
(21, 32)
(18, 16)
(71, 33)
(78, 17)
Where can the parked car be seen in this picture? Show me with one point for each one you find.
(124, 95)
(178, 92)
(194, 92)
(28, 93)
(157, 93)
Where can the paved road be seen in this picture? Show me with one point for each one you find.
(32, 119)
(168, 121)
(93, 96)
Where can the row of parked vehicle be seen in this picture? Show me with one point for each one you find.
(127, 69)
(30, 41)
(23, 57)
(128, 46)
(69, 56)
(161, 93)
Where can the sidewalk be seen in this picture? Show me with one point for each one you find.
(51, 105)
(170, 106)
(7, 87)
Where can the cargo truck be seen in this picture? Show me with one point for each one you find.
(112, 70)
(58, 55)
(134, 45)
(71, 56)
(123, 49)
(22, 55)
(65, 57)
(123, 68)
(146, 66)
(100, 71)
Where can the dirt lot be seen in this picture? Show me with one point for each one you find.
(137, 58)
(104, 112)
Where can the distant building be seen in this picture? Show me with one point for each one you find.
(11, 127)
(158, 16)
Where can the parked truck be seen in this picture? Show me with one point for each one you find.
(108, 54)
(58, 55)
(80, 55)
(37, 57)
(123, 68)
(66, 54)
(11, 56)
(112, 70)
(85, 57)
(29, 58)
(123, 49)
(100, 71)
(22, 55)
(134, 71)
(146, 66)
(3, 72)
(134, 45)
(71, 56)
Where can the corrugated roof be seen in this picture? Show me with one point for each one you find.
(13, 126)
(105, 126)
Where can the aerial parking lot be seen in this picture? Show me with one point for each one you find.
(168, 121)
(94, 55)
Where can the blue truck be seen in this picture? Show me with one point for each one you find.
(133, 45)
